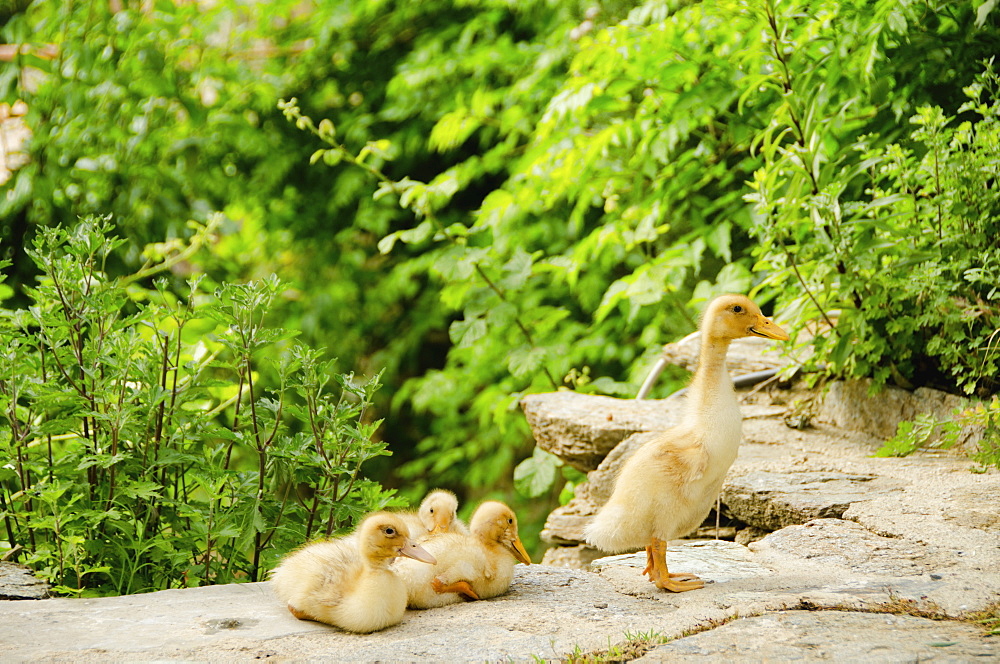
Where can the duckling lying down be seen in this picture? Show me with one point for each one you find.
(479, 565)
(347, 582)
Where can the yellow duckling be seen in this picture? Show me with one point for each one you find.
(347, 582)
(479, 565)
(438, 514)
(666, 489)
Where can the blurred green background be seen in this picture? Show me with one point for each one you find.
(526, 196)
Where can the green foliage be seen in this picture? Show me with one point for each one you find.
(916, 434)
(537, 474)
(152, 116)
(515, 197)
(635, 645)
(945, 432)
(623, 207)
(139, 451)
(892, 245)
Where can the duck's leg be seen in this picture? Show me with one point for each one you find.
(656, 569)
(460, 587)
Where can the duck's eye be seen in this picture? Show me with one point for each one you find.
(737, 309)
(510, 521)
(432, 510)
(390, 531)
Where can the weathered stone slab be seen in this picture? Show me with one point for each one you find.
(827, 563)
(581, 429)
(548, 613)
(834, 636)
(773, 500)
(18, 582)
(839, 543)
(848, 405)
(715, 561)
(575, 557)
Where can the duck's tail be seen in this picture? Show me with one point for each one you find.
(606, 532)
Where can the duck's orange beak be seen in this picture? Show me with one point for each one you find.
(416, 552)
(518, 551)
(441, 523)
(765, 327)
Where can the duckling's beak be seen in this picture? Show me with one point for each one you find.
(416, 552)
(440, 526)
(517, 549)
(765, 327)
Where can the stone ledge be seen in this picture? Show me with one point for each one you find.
(848, 405)
(773, 500)
(835, 636)
(581, 429)
(17, 583)
(549, 613)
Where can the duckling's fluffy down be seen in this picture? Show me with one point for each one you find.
(460, 558)
(347, 582)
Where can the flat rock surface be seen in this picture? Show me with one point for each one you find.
(549, 612)
(835, 636)
(772, 500)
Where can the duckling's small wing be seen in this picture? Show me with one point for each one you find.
(316, 573)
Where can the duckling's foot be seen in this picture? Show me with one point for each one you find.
(460, 587)
(677, 585)
(652, 569)
(656, 562)
(660, 576)
(301, 615)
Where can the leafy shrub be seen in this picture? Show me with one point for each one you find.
(139, 450)
(892, 244)
(929, 431)
(577, 170)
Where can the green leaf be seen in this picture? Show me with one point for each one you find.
(465, 333)
(537, 474)
(517, 270)
(525, 360)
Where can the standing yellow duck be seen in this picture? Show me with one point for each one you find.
(667, 488)
(438, 514)
(479, 565)
(347, 582)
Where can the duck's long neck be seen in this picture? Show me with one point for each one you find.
(711, 392)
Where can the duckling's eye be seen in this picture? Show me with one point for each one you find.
(510, 521)
(390, 531)
(432, 510)
(737, 309)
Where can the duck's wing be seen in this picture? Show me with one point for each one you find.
(316, 572)
(679, 455)
(339, 565)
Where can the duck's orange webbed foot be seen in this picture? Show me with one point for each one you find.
(460, 587)
(656, 569)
